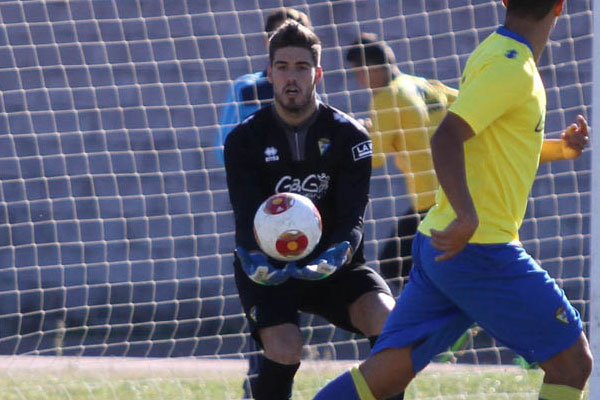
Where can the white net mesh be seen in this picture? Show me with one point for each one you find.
(116, 233)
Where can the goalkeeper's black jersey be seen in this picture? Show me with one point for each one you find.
(334, 171)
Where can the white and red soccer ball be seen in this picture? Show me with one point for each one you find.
(287, 226)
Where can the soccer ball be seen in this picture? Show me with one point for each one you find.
(287, 226)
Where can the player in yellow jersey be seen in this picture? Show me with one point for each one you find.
(468, 264)
(405, 111)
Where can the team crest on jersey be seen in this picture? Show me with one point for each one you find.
(561, 315)
(271, 154)
(362, 150)
(324, 145)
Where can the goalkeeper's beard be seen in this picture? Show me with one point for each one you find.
(296, 106)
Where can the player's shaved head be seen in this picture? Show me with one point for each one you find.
(533, 9)
(369, 50)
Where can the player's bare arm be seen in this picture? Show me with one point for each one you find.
(570, 145)
(449, 163)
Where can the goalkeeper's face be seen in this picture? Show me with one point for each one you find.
(294, 76)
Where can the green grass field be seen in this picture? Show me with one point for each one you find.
(37, 378)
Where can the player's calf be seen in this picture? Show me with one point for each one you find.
(388, 372)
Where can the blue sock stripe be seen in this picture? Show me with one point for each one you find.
(341, 387)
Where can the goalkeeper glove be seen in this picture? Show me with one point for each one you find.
(259, 269)
(325, 265)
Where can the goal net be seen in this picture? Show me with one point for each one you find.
(116, 232)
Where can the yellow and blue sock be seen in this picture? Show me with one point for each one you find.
(560, 392)
(350, 385)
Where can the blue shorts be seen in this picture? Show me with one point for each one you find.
(499, 286)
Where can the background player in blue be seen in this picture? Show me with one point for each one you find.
(250, 92)
(301, 145)
(468, 263)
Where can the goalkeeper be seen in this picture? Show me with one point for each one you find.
(248, 93)
(405, 110)
(301, 145)
(468, 263)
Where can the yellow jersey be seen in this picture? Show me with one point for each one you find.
(405, 114)
(502, 98)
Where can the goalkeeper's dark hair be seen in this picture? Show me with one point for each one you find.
(369, 50)
(292, 34)
(533, 9)
(277, 18)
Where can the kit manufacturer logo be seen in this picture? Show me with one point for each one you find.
(271, 154)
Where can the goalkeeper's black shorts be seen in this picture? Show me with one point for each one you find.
(329, 298)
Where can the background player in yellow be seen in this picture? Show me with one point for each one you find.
(468, 264)
(405, 110)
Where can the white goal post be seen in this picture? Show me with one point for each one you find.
(595, 217)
